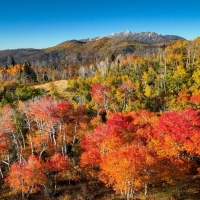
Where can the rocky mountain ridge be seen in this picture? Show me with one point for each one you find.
(143, 37)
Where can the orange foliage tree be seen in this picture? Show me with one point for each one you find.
(27, 177)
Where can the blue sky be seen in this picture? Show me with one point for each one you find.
(46, 23)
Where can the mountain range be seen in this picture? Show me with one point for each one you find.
(143, 37)
(76, 52)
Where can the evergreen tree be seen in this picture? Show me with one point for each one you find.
(28, 73)
(11, 61)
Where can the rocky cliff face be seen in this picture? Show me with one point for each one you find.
(76, 52)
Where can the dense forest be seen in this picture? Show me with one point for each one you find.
(126, 127)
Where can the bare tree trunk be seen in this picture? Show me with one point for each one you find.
(54, 139)
(30, 133)
(165, 64)
(1, 173)
(164, 86)
(75, 131)
(194, 56)
(41, 152)
(124, 104)
(23, 140)
(145, 188)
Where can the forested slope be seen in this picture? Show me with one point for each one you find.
(120, 128)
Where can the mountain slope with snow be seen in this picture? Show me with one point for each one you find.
(143, 37)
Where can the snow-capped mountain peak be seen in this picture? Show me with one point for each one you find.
(143, 37)
(127, 32)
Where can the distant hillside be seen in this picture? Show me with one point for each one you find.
(76, 52)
